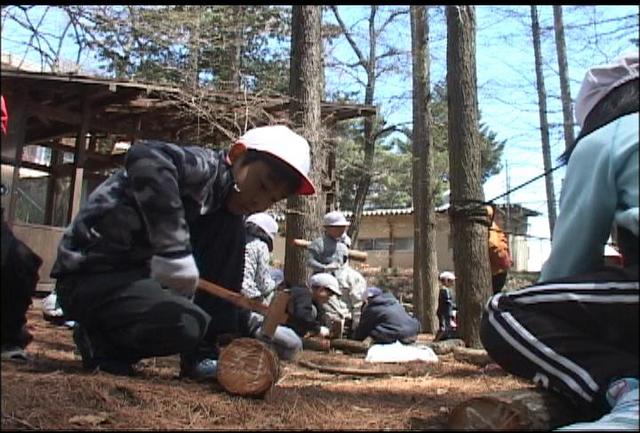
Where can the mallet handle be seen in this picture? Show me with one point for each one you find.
(233, 297)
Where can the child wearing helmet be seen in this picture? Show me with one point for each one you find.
(329, 253)
(129, 263)
(261, 232)
(446, 307)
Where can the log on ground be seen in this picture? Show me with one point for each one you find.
(344, 344)
(520, 409)
(350, 346)
(445, 346)
(478, 357)
(316, 343)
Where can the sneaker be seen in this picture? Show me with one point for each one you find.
(51, 312)
(92, 359)
(204, 369)
(622, 395)
(70, 324)
(14, 353)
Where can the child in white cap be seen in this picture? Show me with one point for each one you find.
(257, 283)
(306, 313)
(128, 265)
(329, 253)
(260, 285)
(576, 331)
(446, 307)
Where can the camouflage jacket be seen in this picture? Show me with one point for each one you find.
(144, 209)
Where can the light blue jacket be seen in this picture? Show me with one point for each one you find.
(600, 189)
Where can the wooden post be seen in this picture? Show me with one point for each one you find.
(78, 162)
(391, 243)
(56, 159)
(16, 133)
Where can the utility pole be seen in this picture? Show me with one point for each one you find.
(507, 222)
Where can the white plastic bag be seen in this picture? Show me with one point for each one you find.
(398, 352)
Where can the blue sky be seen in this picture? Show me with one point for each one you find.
(506, 86)
(506, 81)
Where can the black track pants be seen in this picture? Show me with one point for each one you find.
(132, 317)
(573, 336)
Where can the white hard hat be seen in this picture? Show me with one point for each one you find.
(325, 280)
(446, 275)
(602, 79)
(265, 222)
(286, 145)
(334, 218)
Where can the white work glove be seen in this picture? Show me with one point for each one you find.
(324, 331)
(178, 274)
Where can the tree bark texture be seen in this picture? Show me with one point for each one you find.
(425, 268)
(470, 238)
(305, 87)
(544, 123)
(563, 69)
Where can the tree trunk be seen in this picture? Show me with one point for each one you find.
(563, 69)
(425, 268)
(544, 124)
(305, 86)
(238, 41)
(194, 54)
(470, 239)
(369, 138)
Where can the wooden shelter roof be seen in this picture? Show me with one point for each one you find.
(56, 105)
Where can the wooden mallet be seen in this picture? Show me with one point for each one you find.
(274, 314)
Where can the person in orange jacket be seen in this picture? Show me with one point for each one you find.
(499, 254)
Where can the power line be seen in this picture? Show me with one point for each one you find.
(509, 191)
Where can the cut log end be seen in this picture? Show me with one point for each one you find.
(248, 367)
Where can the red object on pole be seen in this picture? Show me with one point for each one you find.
(5, 116)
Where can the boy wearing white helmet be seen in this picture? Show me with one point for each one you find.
(576, 331)
(446, 307)
(306, 312)
(259, 284)
(261, 232)
(329, 253)
(129, 263)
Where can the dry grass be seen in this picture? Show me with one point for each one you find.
(52, 392)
